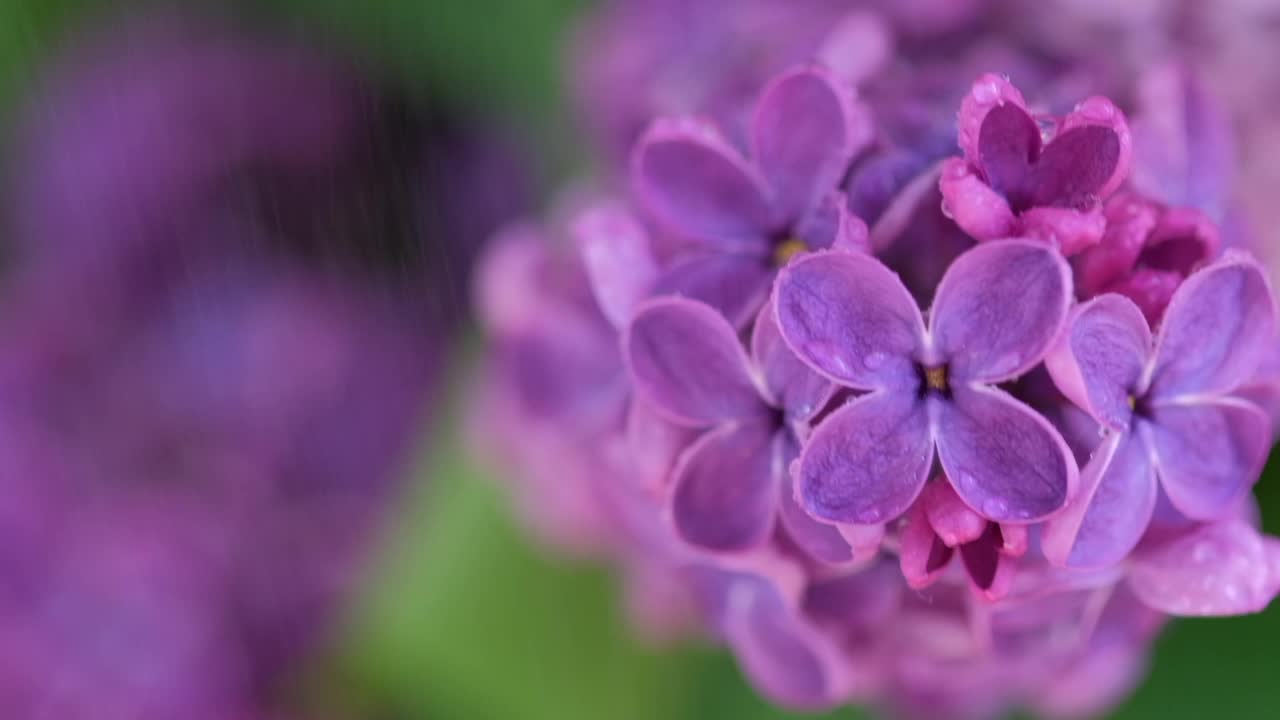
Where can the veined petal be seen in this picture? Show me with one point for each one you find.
(998, 308)
(685, 361)
(1004, 460)
(849, 317)
(792, 385)
(619, 262)
(1208, 453)
(806, 129)
(725, 494)
(866, 463)
(1222, 568)
(694, 182)
(1216, 330)
(1098, 147)
(1106, 518)
(820, 541)
(1098, 361)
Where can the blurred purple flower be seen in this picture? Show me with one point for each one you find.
(997, 310)
(1167, 406)
(271, 305)
(742, 218)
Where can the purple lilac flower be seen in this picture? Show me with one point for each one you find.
(729, 486)
(777, 449)
(996, 312)
(1041, 177)
(1167, 404)
(741, 218)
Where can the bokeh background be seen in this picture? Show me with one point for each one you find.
(458, 614)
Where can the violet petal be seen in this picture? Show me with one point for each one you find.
(1219, 569)
(866, 463)
(1208, 453)
(850, 318)
(806, 129)
(693, 180)
(725, 494)
(1108, 515)
(791, 384)
(1099, 360)
(1004, 460)
(1216, 330)
(685, 360)
(998, 308)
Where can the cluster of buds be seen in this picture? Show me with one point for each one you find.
(942, 427)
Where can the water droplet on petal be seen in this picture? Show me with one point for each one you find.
(875, 360)
(986, 92)
(996, 508)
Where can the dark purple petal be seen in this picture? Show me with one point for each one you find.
(1008, 146)
(850, 318)
(791, 384)
(1099, 360)
(866, 463)
(988, 94)
(686, 361)
(736, 285)
(695, 183)
(998, 308)
(618, 260)
(1224, 568)
(726, 485)
(806, 129)
(1075, 167)
(1095, 147)
(1216, 331)
(1004, 460)
(1108, 515)
(1208, 453)
(819, 540)
(990, 572)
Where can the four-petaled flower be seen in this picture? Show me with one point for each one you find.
(728, 487)
(741, 219)
(1168, 405)
(995, 314)
(1011, 182)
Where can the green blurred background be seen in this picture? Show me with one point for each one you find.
(463, 618)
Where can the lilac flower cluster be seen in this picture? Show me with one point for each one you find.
(944, 426)
(205, 406)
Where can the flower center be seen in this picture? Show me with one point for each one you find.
(934, 379)
(787, 249)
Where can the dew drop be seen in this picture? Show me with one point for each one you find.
(875, 360)
(986, 92)
(996, 508)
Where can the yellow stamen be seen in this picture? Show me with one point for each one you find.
(936, 378)
(1133, 402)
(787, 250)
